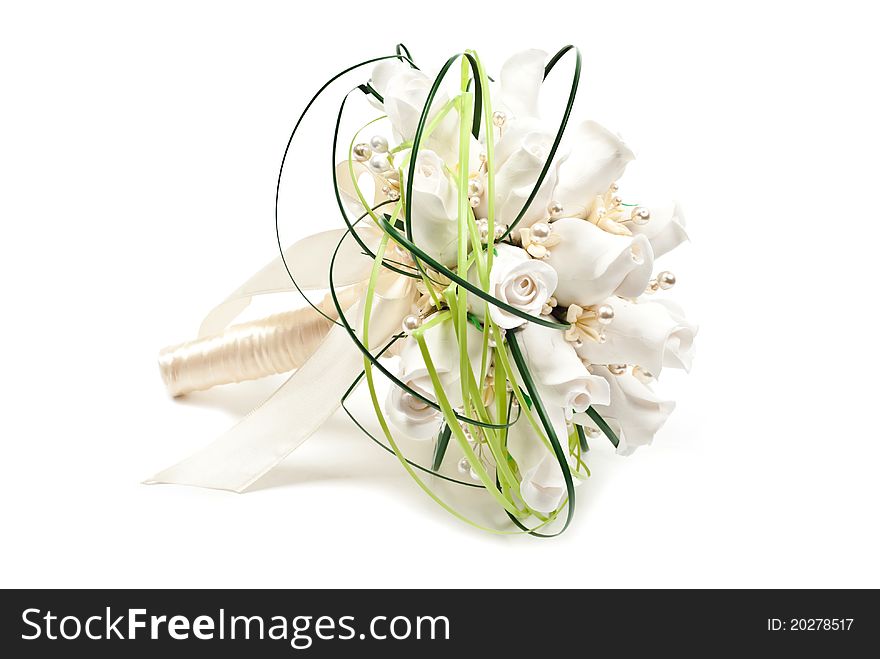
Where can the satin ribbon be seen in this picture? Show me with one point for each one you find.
(274, 429)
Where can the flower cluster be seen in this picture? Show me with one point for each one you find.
(566, 267)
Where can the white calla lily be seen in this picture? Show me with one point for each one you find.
(407, 413)
(542, 485)
(593, 264)
(520, 83)
(635, 413)
(597, 158)
(405, 91)
(653, 334)
(435, 209)
(521, 154)
(665, 230)
(518, 280)
(561, 375)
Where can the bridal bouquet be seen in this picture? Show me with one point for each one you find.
(492, 288)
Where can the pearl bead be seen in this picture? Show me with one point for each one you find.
(642, 375)
(475, 187)
(617, 369)
(483, 156)
(540, 232)
(555, 209)
(379, 144)
(500, 230)
(393, 194)
(592, 433)
(362, 152)
(411, 322)
(498, 118)
(474, 201)
(666, 280)
(616, 200)
(379, 164)
(605, 314)
(602, 337)
(614, 187)
(640, 215)
(483, 230)
(473, 474)
(464, 466)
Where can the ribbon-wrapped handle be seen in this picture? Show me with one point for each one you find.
(252, 350)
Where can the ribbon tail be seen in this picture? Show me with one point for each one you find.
(271, 432)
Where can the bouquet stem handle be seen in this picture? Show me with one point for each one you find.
(252, 350)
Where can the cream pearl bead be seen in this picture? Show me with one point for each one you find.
(379, 164)
(617, 369)
(499, 118)
(555, 209)
(666, 280)
(475, 187)
(362, 152)
(379, 144)
(605, 314)
(540, 231)
(410, 323)
(640, 215)
(483, 229)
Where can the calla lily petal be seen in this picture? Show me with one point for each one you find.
(564, 380)
(598, 157)
(635, 414)
(593, 264)
(520, 83)
(521, 155)
(665, 230)
(435, 209)
(542, 485)
(407, 413)
(652, 334)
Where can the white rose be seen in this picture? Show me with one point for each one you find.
(652, 334)
(411, 416)
(563, 379)
(517, 279)
(635, 413)
(407, 413)
(542, 485)
(593, 264)
(597, 158)
(665, 230)
(434, 209)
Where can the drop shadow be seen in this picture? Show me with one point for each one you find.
(235, 399)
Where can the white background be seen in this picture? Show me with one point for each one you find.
(139, 146)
